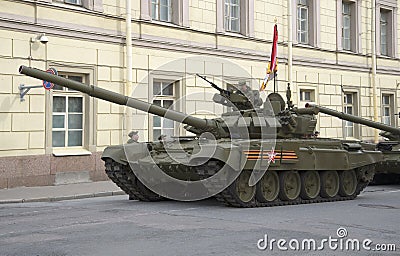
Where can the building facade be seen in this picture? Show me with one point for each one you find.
(56, 136)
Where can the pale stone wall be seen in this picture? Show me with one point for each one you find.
(202, 15)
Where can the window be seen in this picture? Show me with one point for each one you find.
(302, 22)
(161, 10)
(173, 11)
(307, 22)
(68, 109)
(95, 5)
(349, 25)
(163, 96)
(232, 15)
(346, 26)
(235, 16)
(307, 95)
(349, 108)
(77, 2)
(384, 27)
(387, 109)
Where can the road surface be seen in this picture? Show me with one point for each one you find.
(116, 226)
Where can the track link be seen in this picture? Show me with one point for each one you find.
(123, 177)
(228, 198)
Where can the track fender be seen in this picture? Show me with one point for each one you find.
(123, 153)
(230, 154)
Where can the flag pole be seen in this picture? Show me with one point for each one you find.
(276, 72)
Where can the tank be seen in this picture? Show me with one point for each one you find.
(387, 171)
(254, 155)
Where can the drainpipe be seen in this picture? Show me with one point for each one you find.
(373, 71)
(128, 41)
(290, 41)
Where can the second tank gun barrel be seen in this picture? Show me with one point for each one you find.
(354, 119)
(114, 97)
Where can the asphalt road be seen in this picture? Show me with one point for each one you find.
(116, 226)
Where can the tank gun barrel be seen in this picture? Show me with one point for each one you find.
(354, 119)
(114, 97)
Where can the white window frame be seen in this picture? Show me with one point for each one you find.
(385, 35)
(354, 106)
(162, 98)
(179, 12)
(90, 116)
(303, 30)
(157, 7)
(303, 93)
(94, 5)
(313, 25)
(346, 16)
(229, 19)
(74, 2)
(355, 25)
(389, 6)
(388, 119)
(246, 17)
(66, 93)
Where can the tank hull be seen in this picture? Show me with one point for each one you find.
(294, 160)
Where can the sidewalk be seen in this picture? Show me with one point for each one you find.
(60, 192)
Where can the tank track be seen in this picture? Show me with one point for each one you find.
(227, 197)
(124, 178)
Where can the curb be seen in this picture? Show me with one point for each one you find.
(62, 198)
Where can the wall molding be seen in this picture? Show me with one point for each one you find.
(60, 29)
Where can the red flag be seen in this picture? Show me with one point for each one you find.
(273, 64)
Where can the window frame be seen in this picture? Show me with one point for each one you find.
(391, 8)
(90, 119)
(179, 12)
(354, 106)
(347, 16)
(78, 2)
(300, 19)
(384, 51)
(177, 105)
(313, 23)
(228, 17)
(67, 94)
(303, 91)
(355, 26)
(246, 18)
(389, 106)
(94, 5)
(158, 5)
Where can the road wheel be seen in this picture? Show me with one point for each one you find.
(310, 184)
(290, 185)
(244, 193)
(348, 183)
(268, 187)
(329, 183)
